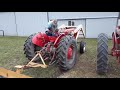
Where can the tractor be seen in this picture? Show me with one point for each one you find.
(61, 50)
(102, 50)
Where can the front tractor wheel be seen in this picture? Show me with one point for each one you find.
(82, 47)
(30, 48)
(102, 54)
(67, 53)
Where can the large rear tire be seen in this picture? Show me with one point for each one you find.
(67, 53)
(102, 54)
(30, 48)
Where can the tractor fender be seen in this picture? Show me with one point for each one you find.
(58, 40)
(40, 39)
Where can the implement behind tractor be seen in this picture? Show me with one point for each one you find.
(43, 50)
(4, 73)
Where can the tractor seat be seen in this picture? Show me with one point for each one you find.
(48, 33)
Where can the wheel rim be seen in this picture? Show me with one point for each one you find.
(70, 53)
(84, 49)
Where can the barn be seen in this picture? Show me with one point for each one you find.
(26, 23)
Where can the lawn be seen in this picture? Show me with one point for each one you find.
(11, 54)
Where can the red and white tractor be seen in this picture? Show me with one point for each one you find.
(61, 50)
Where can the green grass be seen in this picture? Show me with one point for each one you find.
(86, 64)
(11, 51)
(11, 54)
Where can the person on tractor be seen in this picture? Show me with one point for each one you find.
(118, 31)
(52, 28)
(118, 37)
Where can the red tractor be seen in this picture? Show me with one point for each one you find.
(102, 50)
(61, 50)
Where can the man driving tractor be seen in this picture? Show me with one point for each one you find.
(118, 31)
(52, 28)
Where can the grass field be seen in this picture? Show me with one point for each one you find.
(11, 54)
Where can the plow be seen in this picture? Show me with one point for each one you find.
(43, 50)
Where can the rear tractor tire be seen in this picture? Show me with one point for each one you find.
(67, 53)
(102, 54)
(30, 48)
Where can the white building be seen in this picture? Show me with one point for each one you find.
(26, 23)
